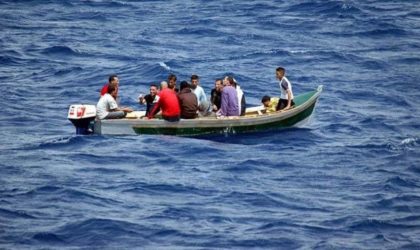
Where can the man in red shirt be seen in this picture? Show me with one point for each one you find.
(169, 104)
(112, 79)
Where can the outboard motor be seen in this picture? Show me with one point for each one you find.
(82, 117)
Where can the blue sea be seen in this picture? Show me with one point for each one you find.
(348, 179)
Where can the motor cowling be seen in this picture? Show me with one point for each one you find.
(82, 117)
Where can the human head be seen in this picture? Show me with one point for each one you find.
(230, 81)
(172, 81)
(266, 100)
(280, 73)
(113, 78)
(153, 89)
(113, 89)
(218, 84)
(194, 81)
(234, 83)
(184, 84)
(225, 81)
(163, 85)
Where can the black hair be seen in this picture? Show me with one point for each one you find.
(153, 85)
(281, 69)
(184, 84)
(171, 76)
(112, 77)
(194, 77)
(231, 81)
(265, 98)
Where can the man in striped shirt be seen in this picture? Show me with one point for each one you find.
(286, 98)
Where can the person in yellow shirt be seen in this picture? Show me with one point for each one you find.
(270, 103)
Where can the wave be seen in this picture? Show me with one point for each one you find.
(267, 201)
(68, 71)
(93, 232)
(60, 51)
(165, 66)
(367, 225)
(382, 32)
(61, 194)
(58, 142)
(406, 144)
(208, 32)
(162, 189)
(13, 214)
(327, 8)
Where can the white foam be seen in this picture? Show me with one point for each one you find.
(408, 141)
(162, 64)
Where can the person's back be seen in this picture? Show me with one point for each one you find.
(229, 105)
(169, 104)
(188, 102)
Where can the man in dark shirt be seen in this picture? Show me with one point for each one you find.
(151, 99)
(187, 101)
(216, 95)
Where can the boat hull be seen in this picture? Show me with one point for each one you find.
(252, 122)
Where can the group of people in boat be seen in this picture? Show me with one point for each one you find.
(190, 101)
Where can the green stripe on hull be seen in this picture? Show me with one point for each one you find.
(287, 122)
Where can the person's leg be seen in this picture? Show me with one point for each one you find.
(116, 115)
(204, 109)
(281, 105)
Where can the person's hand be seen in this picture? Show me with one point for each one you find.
(141, 99)
(214, 108)
(128, 110)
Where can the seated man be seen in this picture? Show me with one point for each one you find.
(163, 85)
(187, 101)
(216, 95)
(270, 103)
(203, 103)
(150, 100)
(229, 104)
(169, 104)
(107, 107)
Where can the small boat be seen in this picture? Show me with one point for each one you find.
(255, 119)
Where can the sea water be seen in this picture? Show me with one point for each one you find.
(350, 179)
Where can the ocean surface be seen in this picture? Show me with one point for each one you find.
(349, 179)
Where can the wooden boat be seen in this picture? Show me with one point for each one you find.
(254, 120)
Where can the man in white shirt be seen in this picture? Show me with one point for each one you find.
(107, 107)
(203, 103)
(286, 98)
